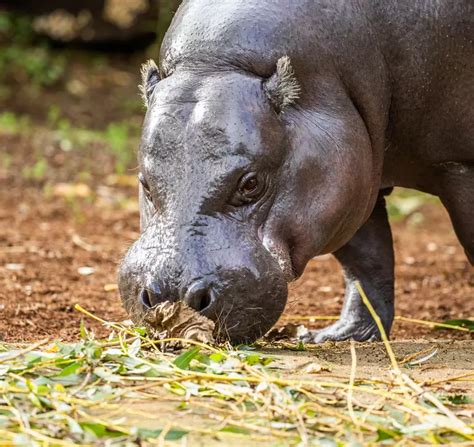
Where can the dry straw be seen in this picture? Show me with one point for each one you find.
(92, 392)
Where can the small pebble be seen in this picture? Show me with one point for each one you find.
(432, 247)
(86, 271)
(14, 267)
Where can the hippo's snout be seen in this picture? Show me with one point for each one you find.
(243, 292)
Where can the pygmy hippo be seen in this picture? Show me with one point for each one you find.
(273, 132)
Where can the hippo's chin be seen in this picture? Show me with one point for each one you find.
(247, 326)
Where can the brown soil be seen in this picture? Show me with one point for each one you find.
(46, 238)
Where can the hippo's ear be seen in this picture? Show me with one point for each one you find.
(150, 77)
(282, 88)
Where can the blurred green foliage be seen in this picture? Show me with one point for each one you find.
(37, 171)
(16, 28)
(23, 61)
(13, 124)
(403, 203)
(118, 138)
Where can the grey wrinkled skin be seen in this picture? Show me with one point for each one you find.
(386, 98)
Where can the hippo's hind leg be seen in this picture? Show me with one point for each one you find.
(368, 258)
(456, 191)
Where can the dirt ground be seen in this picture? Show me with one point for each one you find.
(57, 250)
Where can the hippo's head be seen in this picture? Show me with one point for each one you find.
(235, 198)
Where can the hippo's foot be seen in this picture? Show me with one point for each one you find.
(344, 330)
(368, 259)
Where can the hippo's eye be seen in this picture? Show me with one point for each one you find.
(146, 188)
(251, 187)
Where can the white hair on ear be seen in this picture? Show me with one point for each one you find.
(282, 88)
(145, 71)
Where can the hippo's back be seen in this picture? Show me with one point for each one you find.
(423, 51)
(429, 50)
(253, 34)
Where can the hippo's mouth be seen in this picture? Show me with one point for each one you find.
(176, 320)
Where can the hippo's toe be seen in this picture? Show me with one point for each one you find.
(344, 330)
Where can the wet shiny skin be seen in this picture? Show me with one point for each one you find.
(379, 107)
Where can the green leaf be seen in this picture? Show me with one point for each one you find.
(175, 435)
(385, 433)
(204, 359)
(33, 357)
(140, 331)
(217, 357)
(299, 347)
(70, 369)
(107, 374)
(468, 324)
(183, 405)
(460, 399)
(256, 359)
(184, 360)
(171, 435)
(134, 348)
(238, 430)
(83, 330)
(35, 400)
(100, 430)
(252, 359)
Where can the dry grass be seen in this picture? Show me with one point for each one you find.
(91, 392)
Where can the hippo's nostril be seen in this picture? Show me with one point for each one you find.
(151, 295)
(199, 296)
(205, 302)
(145, 299)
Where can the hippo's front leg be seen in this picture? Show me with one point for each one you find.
(368, 258)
